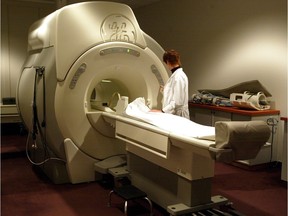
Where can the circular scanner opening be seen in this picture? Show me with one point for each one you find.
(106, 93)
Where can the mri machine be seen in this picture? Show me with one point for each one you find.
(85, 91)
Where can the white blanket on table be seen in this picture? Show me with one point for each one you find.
(171, 123)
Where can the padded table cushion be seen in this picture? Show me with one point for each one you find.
(244, 138)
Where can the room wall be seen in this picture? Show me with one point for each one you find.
(16, 18)
(224, 42)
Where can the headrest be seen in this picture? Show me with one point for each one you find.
(244, 138)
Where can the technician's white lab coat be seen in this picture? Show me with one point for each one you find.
(175, 94)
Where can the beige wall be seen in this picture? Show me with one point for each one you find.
(224, 42)
(16, 18)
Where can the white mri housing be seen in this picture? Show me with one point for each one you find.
(89, 51)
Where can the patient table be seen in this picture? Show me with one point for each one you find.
(175, 166)
(90, 78)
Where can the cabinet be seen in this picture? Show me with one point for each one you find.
(9, 114)
(208, 115)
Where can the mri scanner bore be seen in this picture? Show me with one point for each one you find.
(86, 63)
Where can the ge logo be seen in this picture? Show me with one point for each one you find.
(117, 27)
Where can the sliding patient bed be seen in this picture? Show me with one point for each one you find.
(174, 168)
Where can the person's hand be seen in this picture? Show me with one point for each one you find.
(161, 89)
(155, 110)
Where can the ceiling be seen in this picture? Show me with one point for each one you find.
(131, 3)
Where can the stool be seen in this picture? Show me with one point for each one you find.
(130, 192)
(120, 174)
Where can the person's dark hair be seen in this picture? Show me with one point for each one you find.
(171, 56)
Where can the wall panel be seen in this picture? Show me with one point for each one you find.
(16, 18)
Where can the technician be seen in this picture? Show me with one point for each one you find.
(175, 91)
